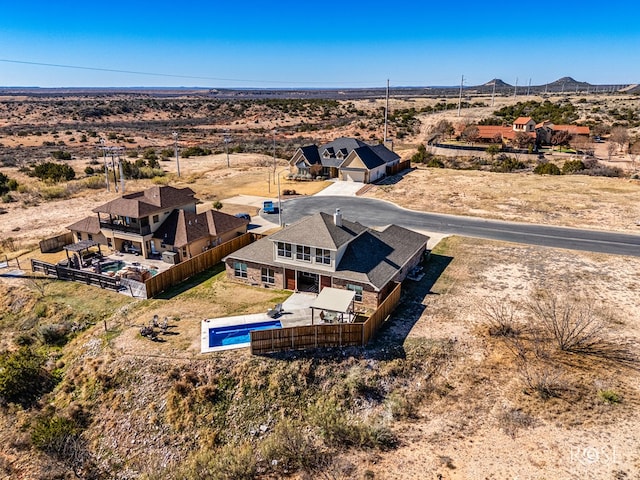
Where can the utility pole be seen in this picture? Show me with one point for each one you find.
(460, 96)
(175, 139)
(529, 87)
(106, 168)
(386, 113)
(226, 145)
(515, 89)
(113, 167)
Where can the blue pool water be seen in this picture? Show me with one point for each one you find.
(237, 334)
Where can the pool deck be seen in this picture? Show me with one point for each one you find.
(296, 313)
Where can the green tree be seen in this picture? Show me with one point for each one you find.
(55, 172)
(23, 378)
(493, 150)
(547, 169)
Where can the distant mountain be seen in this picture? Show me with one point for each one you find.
(499, 84)
(567, 84)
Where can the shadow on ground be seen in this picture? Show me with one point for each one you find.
(191, 282)
(389, 341)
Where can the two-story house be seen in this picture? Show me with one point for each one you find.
(157, 220)
(325, 250)
(349, 159)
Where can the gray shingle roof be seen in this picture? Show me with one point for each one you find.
(87, 224)
(372, 155)
(376, 257)
(183, 227)
(151, 200)
(372, 257)
(320, 231)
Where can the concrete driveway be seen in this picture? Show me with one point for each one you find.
(340, 189)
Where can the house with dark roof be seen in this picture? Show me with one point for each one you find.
(325, 250)
(346, 158)
(157, 220)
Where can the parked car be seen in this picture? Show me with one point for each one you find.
(269, 207)
(244, 216)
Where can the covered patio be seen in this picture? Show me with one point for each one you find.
(77, 259)
(335, 305)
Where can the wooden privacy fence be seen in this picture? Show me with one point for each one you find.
(393, 169)
(71, 274)
(55, 244)
(324, 335)
(207, 259)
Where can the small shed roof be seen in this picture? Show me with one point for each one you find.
(80, 246)
(334, 300)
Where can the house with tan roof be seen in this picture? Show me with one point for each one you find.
(157, 220)
(345, 158)
(325, 250)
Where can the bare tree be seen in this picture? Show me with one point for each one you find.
(502, 316)
(471, 133)
(620, 136)
(575, 325)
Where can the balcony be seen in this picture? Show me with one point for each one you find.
(120, 227)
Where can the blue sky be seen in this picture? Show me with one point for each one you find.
(317, 44)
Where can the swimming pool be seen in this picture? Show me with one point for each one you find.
(237, 334)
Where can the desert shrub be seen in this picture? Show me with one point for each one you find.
(23, 378)
(506, 164)
(573, 166)
(287, 191)
(547, 169)
(89, 171)
(61, 155)
(195, 152)
(55, 333)
(546, 381)
(230, 462)
(512, 420)
(166, 153)
(435, 163)
(7, 198)
(289, 448)
(604, 171)
(421, 155)
(94, 182)
(52, 193)
(338, 429)
(52, 434)
(501, 316)
(150, 154)
(7, 184)
(55, 172)
(609, 396)
(574, 325)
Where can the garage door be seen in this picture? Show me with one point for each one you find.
(351, 176)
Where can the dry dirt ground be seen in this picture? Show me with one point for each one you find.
(569, 200)
(486, 423)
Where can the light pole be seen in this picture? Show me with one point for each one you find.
(175, 138)
(226, 145)
(279, 198)
(274, 154)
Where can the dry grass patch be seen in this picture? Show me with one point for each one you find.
(573, 200)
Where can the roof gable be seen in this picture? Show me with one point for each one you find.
(154, 199)
(320, 231)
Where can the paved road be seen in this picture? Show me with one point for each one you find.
(372, 212)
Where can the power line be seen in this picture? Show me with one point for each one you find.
(169, 75)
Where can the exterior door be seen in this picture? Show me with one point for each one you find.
(289, 279)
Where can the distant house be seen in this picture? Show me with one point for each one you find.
(345, 158)
(157, 220)
(326, 250)
(540, 132)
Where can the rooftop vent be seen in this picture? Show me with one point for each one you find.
(337, 218)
